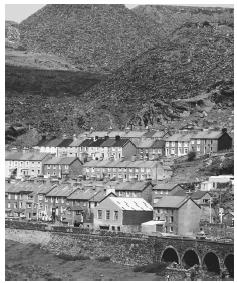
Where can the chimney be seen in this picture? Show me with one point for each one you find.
(224, 130)
(43, 137)
(117, 138)
(91, 129)
(74, 137)
(96, 138)
(64, 136)
(127, 129)
(106, 137)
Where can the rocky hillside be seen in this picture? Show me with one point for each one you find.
(12, 34)
(197, 59)
(97, 38)
(185, 78)
(169, 18)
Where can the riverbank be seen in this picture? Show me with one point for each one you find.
(30, 262)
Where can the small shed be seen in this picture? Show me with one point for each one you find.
(153, 226)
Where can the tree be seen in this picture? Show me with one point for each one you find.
(191, 155)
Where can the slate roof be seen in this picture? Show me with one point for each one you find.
(28, 187)
(44, 142)
(131, 186)
(134, 134)
(121, 164)
(171, 202)
(159, 134)
(136, 204)
(199, 194)
(60, 161)
(76, 142)
(208, 135)
(165, 186)
(158, 144)
(54, 142)
(65, 143)
(83, 195)
(92, 143)
(149, 134)
(146, 144)
(61, 191)
(28, 156)
(179, 137)
(113, 134)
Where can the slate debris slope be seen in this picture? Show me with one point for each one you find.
(93, 37)
(193, 61)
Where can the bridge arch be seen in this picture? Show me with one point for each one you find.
(190, 258)
(229, 264)
(170, 254)
(211, 262)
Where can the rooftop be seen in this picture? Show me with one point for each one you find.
(61, 191)
(28, 156)
(131, 186)
(171, 202)
(137, 204)
(60, 161)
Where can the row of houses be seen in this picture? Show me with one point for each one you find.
(34, 164)
(145, 144)
(111, 205)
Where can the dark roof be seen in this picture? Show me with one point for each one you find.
(149, 134)
(199, 194)
(65, 143)
(102, 142)
(158, 144)
(44, 142)
(86, 143)
(61, 191)
(171, 202)
(108, 142)
(130, 186)
(28, 156)
(121, 142)
(54, 142)
(83, 195)
(165, 186)
(61, 161)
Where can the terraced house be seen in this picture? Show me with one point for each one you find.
(61, 167)
(150, 149)
(106, 148)
(20, 164)
(178, 144)
(211, 141)
(125, 170)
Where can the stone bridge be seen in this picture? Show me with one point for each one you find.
(214, 256)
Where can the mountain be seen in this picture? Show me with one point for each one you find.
(12, 34)
(96, 38)
(195, 60)
(169, 18)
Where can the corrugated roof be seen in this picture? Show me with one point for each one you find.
(171, 202)
(137, 204)
(60, 161)
(131, 186)
(28, 156)
(61, 191)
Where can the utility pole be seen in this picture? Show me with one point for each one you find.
(210, 202)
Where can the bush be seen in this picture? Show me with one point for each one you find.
(156, 267)
(73, 257)
(191, 155)
(103, 258)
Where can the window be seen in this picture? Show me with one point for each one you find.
(66, 167)
(40, 197)
(118, 228)
(21, 204)
(167, 144)
(15, 204)
(46, 199)
(198, 141)
(113, 228)
(78, 212)
(99, 214)
(173, 144)
(62, 200)
(115, 215)
(56, 199)
(9, 196)
(173, 151)
(54, 167)
(171, 219)
(15, 196)
(107, 214)
(180, 144)
(51, 199)
(9, 205)
(192, 141)
(198, 147)
(48, 166)
(38, 164)
(186, 150)
(171, 229)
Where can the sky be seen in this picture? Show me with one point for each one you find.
(19, 12)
